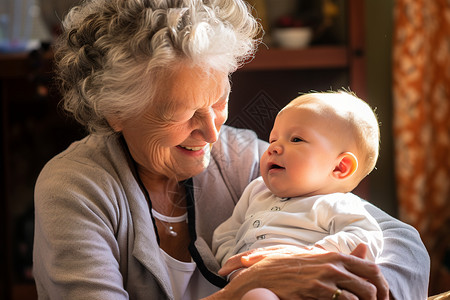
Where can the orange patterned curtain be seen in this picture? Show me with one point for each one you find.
(421, 74)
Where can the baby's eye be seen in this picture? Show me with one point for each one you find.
(296, 140)
(272, 141)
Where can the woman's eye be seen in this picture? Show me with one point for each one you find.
(183, 117)
(221, 105)
(297, 140)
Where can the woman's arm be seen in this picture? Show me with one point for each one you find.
(349, 224)
(405, 262)
(76, 254)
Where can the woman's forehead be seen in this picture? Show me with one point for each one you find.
(195, 86)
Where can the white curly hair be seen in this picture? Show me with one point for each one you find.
(112, 51)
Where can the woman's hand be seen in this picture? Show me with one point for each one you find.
(293, 273)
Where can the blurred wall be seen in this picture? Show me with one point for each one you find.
(379, 25)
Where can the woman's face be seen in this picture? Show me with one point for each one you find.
(172, 139)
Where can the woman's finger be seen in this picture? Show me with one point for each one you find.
(255, 256)
(344, 295)
(235, 262)
(360, 251)
(371, 272)
(249, 258)
(356, 274)
(354, 285)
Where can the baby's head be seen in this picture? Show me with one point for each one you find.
(321, 143)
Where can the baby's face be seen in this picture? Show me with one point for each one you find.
(303, 152)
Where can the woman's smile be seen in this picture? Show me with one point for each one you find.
(193, 150)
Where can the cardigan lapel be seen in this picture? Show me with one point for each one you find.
(145, 247)
(145, 240)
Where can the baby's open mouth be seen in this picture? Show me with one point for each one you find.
(275, 166)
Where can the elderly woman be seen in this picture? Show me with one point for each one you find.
(129, 211)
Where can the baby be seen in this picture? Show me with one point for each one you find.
(321, 146)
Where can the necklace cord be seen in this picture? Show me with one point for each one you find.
(169, 219)
(190, 205)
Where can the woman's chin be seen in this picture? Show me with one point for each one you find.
(193, 164)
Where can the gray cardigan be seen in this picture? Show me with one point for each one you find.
(95, 239)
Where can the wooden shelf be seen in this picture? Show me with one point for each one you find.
(24, 291)
(314, 57)
(17, 65)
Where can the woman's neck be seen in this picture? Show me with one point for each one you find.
(167, 197)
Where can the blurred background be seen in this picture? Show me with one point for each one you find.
(395, 54)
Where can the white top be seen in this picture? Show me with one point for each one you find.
(336, 222)
(187, 282)
(180, 274)
(185, 278)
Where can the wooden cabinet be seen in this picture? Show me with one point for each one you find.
(34, 129)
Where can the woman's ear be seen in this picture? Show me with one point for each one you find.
(346, 166)
(115, 124)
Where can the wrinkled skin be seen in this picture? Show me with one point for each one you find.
(292, 274)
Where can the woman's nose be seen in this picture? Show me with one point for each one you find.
(209, 127)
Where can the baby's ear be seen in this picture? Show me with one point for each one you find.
(346, 165)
